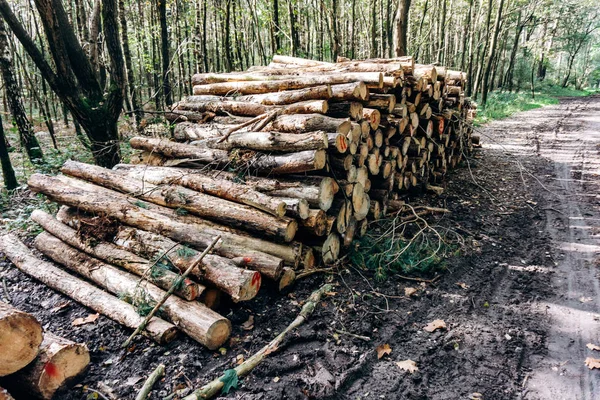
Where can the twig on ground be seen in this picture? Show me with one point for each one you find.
(212, 388)
(310, 272)
(147, 387)
(171, 290)
(342, 332)
(6, 292)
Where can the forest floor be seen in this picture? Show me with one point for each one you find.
(520, 302)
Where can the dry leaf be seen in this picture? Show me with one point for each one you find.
(437, 324)
(462, 285)
(383, 350)
(592, 363)
(592, 347)
(409, 291)
(248, 325)
(408, 365)
(90, 319)
(276, 379)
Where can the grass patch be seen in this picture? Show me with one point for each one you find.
(503, 104)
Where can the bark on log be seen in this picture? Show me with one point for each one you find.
(111, 254)
(384, 102)
(287, 278)
(195, 319)
(60, 361)
(287, 82)
(290, 96)
(296, 208)
(178, 150)
(20, 338)
(302, 123)
(346, 109)
(269, 141)
(318, 192)
(223, 273)
(316, 223)
(291, 163)
(87, 294)
(350, 91)
(179, 197)
(186, 229)
(215, 186)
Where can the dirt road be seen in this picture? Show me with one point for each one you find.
(520, 301)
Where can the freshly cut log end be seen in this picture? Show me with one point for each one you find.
(308, 257)
(59, 362)
(287, 278)
(330, 251)
(20, 339)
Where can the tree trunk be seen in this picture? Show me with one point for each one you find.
(8, 173)
(85, 293)
(20, 339)
(111, 254)
(195, 319)
(164, 49)
(491, 55)
(15, 101)
(58, 363)
(138, 112)
(401, 28)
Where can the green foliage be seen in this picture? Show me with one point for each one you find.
(185, 252)
(181, 211)
(504, 104)
(16, 207)
(230, 380)
(141, 204)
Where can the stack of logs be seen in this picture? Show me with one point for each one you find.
(286, 163)
(34, 362)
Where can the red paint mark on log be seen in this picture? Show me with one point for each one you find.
(256, 279)
(51, 370)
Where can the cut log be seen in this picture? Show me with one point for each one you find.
(346, 109)
(111, 254)
(291, 163)
(290, 96)
(336, 141)
(185, 229)
(268, 141)
(82, 292)
(373, 116)
(215, 186)
(309, 123)
(383, 102)
(223, 107)
(195, 319)
(20, 338)
(296, 208)
(175, 196)
(178, 150)
(374, 79)
(223, 273)
(330, 251)
(287, 278)
(316, 223)
(350, 91)
(60, 361)
(4, 395)
(317, 192)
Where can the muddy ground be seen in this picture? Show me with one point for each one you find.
(520, 301)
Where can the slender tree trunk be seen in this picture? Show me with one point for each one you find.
(276, 27)
(490, 60)
(164, 37)
(401, 28)
(15, 101)
(131, 85)
(8, 173)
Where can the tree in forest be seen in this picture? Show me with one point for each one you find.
(401, 28)
(578, 25)
(491, 55)
(76, 79)
(164, 47)
(15, 101)
(8, 173)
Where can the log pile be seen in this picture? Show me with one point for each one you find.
(36, 363)
(287, 164)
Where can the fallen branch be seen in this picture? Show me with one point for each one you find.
(170, 291)
(240, 126)
(211, 389)
(147, 387)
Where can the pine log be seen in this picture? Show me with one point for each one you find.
(296, 208)
(195, 319)
(363, 211)
(346, 109)
(373, 116)
(374, 79)
(111, 254)
(225, 107)
(20, 338)
(215, 186)
(336, 141)
(181, 198)
(317, 192)
(59, 362)
(287, 278)
(330, 251)
(316, 223)
(223, 273)
(186, 229)
(268, 141)
(290, 96)
(383, 102)
(82, 292)
(357, 91)
(309, 123)
(291, 163)
(178, 150)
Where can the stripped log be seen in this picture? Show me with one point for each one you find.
(290, 96)
(309, 123)
(111, 254)
(204, 183)
(181, 198)
(186, 229)
(268, 141)
(20, 338)
(89, 295)
(195, 319)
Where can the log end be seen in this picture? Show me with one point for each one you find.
(250, 287)
(303, 209)
(290, 231)
(64, 366)
(218, 333)
(281, 209)
(320, 159)
(327, 190)
(331, 249)
(288, 277)
(20, 340)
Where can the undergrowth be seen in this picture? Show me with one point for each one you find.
(408, 247)
(504, 104)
